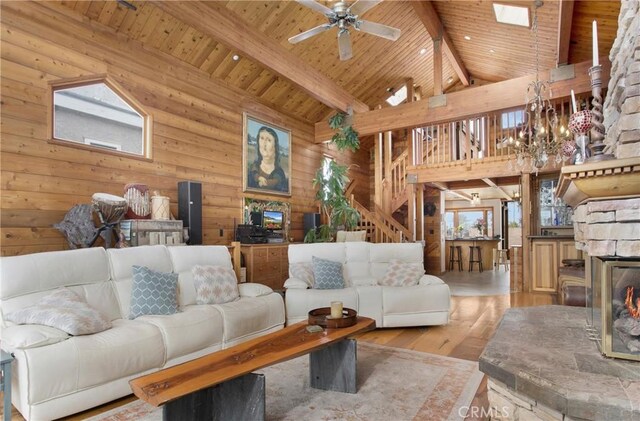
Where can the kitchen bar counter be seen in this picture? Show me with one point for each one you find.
(486, 246)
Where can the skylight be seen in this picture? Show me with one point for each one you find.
(398, 97)
(512, 15)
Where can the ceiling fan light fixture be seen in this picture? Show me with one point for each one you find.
(475, 199)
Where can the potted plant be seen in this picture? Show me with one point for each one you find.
(331, 187)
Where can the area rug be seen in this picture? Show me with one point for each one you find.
(393, 384)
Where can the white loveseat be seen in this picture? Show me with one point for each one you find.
(364, 264)
(58, 375)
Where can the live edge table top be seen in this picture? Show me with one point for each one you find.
(293, 341)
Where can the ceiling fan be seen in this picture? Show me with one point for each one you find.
(342, 16)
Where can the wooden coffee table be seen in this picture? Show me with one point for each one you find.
(221, 385)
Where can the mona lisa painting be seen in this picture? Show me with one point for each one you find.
(266, 157)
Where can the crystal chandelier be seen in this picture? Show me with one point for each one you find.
(540, 137)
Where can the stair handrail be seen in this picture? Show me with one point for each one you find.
(382, 233)
(392, 223)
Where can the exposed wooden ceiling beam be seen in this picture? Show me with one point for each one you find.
(431, 21)
(565, 18)
(220, 23)
(440, 186)
(499, 189)
(461, 195)
(465, 103)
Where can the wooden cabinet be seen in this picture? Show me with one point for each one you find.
(544, 268)
(546, 259)
(266, 264)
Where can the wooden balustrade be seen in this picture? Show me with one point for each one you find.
(478, 137)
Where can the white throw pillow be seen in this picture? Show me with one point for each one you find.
(31, 336)
(401, 274)
(215, 284)
(64, 310)
(302, 271)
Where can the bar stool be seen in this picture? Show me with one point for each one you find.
(475, 256)
(455, 256)
(501, 259)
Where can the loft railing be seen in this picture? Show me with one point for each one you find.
(478, 137)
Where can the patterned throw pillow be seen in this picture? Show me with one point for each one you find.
(327, 274)
(215, 284)
(401, 274)
(64, 310)
(153, 292)
(302, 271)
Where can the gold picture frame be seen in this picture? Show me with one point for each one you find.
(266, 170)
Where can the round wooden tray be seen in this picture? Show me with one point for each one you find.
(319, 317)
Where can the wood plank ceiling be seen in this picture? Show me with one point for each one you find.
(377, 64)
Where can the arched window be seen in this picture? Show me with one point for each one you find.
(96, 113)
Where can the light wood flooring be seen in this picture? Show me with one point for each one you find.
(473, 321)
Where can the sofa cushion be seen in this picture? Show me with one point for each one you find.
(129, 348)
(401, 274)
(250, 317)
(215, 284)
(183, 259)
(251, 289)
(327, 274)
(302, 271)
(153, 292)
(62, 309)
(121, 262)
(31, 336)
(196, 327)
(348, 236)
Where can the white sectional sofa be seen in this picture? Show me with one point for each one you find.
(55, 375)
(364, 264)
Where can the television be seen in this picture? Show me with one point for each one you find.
(272, 220)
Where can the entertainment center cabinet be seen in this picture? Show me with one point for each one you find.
(267, 264)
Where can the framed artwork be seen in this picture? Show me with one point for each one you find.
(266, 157)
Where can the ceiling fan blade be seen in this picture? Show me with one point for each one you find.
(378, 29)
(311, 4)
(361, 6)
(311, 32)
(344, 44)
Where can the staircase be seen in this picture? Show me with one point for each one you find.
(380, 227)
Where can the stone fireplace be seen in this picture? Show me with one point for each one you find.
(542, 363)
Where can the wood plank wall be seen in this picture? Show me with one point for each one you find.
(197, 131)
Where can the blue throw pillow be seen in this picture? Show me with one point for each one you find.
(153, 292)
(327, 274)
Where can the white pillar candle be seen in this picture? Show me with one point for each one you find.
(573, 102)
(336, 309)
(596, 59)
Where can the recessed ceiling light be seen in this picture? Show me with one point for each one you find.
(492, 50)
(423, 51)
(467, 37)
(512, 15)
(235, 57)
(450, 80)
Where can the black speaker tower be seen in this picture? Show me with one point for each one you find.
(190, 209)
(310, 221)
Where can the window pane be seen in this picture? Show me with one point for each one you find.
(514, 215)
(95, 115)
(450, 228)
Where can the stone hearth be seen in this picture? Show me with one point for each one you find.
(542, 366)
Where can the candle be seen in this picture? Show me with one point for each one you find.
(336, 309)
(573, 102)
(596, 59)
